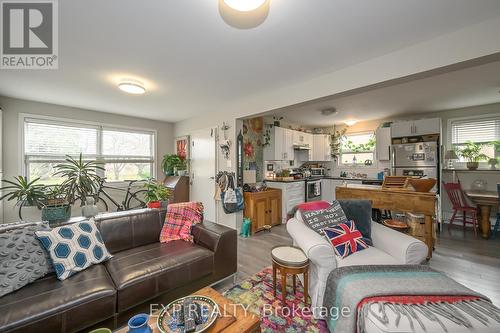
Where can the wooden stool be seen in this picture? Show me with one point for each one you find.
(290, 260)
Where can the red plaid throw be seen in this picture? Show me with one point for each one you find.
(179, 220)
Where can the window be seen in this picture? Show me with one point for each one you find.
(482, 131)
(126, 154)
(357, 148)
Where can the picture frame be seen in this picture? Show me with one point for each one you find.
(182, 146)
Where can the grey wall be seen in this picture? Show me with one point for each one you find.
(11, 148)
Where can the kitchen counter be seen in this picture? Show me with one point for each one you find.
(325, 177)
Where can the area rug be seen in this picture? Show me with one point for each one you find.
(256, 294)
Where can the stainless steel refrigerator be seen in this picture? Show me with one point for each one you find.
(416, 159)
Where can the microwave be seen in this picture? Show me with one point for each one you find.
(317, 172)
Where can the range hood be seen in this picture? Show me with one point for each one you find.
(301, 147)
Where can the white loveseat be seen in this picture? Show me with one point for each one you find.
(390, 247)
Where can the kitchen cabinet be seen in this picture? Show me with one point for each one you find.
(292, 194)
(280, 147)
(328, 187)
(383, 144)
(263, 208)
(321, 148)
(416, 127)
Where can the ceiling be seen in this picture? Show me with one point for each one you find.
(472, 86)
(193, 62)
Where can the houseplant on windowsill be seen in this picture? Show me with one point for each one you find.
(56, 208)
(26, 193)
(80, 178)
(156, 194)
(472, 153)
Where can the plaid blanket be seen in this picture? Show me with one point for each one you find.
(179, 220)
(411, 292)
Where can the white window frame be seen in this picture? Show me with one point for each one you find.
(374, 158)
(83, 123)
(449, 130)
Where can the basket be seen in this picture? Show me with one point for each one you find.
(54, 214)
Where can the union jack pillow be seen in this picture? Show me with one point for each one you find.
(345, 238)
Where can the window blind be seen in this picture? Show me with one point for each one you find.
(475, 130)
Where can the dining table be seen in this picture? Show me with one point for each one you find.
(485, 201)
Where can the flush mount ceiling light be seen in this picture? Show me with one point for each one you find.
(351, 122)
(132, 87)
(244, 5)
(329, 112)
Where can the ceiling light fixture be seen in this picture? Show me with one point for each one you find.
(329, 112)
(132, 87)
(351, 122)
(244, 5)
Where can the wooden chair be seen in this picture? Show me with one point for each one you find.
(497, 224)
(459, 202)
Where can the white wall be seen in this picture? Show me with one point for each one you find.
(11, 148)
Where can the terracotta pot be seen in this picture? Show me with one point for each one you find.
(154, 204)
(472, 165)
(422, 185)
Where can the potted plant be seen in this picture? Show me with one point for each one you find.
(80, 178)
(55, 208)
(182, 167)
(26, 193)
(472, 153)
(156, 194)
(170, 164)
(336, 142)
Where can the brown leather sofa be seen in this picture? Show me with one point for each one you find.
(143, 273)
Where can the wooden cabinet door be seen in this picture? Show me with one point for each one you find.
(274, 209)
(260, 213)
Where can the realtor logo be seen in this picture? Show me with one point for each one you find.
(29, 38)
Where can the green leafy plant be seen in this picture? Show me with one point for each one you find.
(156, 191)
(472, 152)
(336, 142)
(26, 193)
(80, 178)
(362, 147)
(170, 163)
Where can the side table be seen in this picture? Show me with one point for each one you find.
(290, 260)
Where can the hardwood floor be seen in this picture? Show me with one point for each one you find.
(470, 260)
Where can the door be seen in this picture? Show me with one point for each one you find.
(383, 144)
(401, 129)
(203, 161)
(261, 212)
(427, 126)
(274, 209)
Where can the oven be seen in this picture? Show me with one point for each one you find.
(313, 190)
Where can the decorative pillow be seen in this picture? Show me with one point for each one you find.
(74, 248)
(22, 258)
(361, 212)
(345, 239)
(317, 220)
(179, 220)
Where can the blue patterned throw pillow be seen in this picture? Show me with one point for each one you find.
(345, 238)
(74, 248)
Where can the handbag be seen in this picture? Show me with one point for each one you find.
(232, 198)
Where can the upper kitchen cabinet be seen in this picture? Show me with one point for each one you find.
(416, 127)
(321, 148)
(383, 143)
(302, 139)
(280, 147)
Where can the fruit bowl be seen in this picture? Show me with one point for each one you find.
(422, 185)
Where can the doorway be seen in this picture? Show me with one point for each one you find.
(203, 169)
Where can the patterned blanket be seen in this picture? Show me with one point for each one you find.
(179, 220)
(415, 292)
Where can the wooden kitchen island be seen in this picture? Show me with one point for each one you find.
(401, 200)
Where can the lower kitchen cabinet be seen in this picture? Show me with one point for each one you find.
(293, 193)
(263, 208)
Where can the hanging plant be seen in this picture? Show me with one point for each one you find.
(336, 142)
